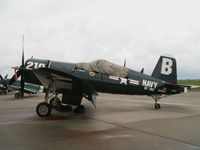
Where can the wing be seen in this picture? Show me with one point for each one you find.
(31, 88)
(60, 82)
(28, 88)
(177, 88)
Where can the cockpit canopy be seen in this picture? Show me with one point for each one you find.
(104, 67)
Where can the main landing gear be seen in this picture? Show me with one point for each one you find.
(156, 98)
(43, 109)
(54, 102)
(19, 95)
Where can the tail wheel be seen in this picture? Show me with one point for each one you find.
(157, 106)
(43, 109)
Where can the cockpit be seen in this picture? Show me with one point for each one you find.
(104, 67)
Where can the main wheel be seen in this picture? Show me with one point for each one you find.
(54, 102)
(157, 106)
(1, 92)
(43, 109)
(5, 92)
(16, 95)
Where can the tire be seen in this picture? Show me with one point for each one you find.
(16, 95)
(157, 106)
(54, 102)
(43, 109)
(5, 92)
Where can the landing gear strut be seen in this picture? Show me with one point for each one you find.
(54, 102)
(43, 109)
(156, 98)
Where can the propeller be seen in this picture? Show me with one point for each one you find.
(19, 71)
(22, 75)
(15, 76)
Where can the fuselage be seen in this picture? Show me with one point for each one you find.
(135, 84)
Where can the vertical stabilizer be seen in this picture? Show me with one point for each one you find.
(166, 69)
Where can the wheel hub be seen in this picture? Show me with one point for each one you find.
(43, 110)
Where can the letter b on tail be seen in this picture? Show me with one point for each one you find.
(166, 69)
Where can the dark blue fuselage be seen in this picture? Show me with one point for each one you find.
(135, 84)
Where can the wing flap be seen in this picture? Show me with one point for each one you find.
(62, 82)
(55, 80)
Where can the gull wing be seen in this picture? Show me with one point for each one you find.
(65, 83)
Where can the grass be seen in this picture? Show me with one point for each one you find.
(190, 82)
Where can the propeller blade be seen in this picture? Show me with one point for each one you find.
(23, 52)
(23, 59)
(22, 85)
(15, 75)
(22, 74)
(18, 73)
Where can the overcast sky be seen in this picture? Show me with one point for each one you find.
(85, 30)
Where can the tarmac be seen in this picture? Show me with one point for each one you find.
(119, 122)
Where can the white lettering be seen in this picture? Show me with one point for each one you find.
(166, 66)
(29, 65)
(155, 84)
(41, 65)
(144, 83)
(148, 83)
(34, 65)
